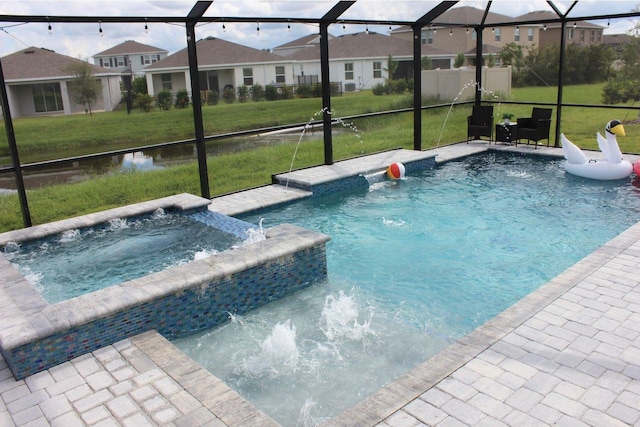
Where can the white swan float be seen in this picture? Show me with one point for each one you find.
(611, 167)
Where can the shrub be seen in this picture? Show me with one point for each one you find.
(303, 91)
(145, 102)
(228, 94)
(257, 92)
(243, 93)
(271, 93)
(213, 96)
(286, 92)
(182, 98)
(165, 99)
(378, 89)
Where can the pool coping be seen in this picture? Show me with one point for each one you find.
(389, 405)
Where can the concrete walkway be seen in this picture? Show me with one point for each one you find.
(566, 355)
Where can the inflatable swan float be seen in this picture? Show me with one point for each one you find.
(612, 166)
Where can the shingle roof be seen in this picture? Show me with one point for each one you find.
(34, 63)
(302, 41)
(541, 15)
(215, 51)
(130, 46)
(363, 45)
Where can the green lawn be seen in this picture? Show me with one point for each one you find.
(59, 137)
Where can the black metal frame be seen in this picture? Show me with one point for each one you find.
(196, 16)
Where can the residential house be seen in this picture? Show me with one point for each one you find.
(39, 82)
(129, 59)
(453, 31)
(361, 60)
(220, 64)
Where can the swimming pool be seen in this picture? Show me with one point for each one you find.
(413, 265)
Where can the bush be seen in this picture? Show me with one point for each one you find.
(145, 102)
(303, 91)
(286, 92)
(228, 94)
(165, 99)
(257, 92)
(182, 98)
(271, 93)
(378, 89)
(243, 93)
(212, 97)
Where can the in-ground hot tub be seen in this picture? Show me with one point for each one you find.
(36, 335)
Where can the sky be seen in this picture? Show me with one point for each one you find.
(84, 40)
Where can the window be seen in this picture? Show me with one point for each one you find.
(530, 34)
(474, 35)
(122, 61)
(516, 35)
(592, 37)
(280, 77)
(149, 59)
(496, 33)
(570, 33)
(582, 36)
(348, 71)
(247, 76)
(47, 97)
(166, 81)
(430, 34)
(377, 70)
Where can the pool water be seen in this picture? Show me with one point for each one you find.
(413, 265)
(84, 260)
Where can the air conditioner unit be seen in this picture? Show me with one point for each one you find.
(349, 87)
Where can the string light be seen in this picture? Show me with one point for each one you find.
(100, 28)
(258, 27)
(366, 30)
(224, 28)
(288, 26)
(575, 24)
(544, 27)
(146, 27)
(48, 25)
(450, 31)
(608, 22)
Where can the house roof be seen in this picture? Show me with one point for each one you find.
(214, 51)
(364, 45)
(617, 39)
(34, 63)
(304, 41)
(465, 15)
(130, 46)
(541, 15)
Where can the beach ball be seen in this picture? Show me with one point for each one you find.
(636, 167)
(395, 170)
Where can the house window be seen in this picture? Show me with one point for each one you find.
(516, 34)
(599, 33)
(166, 81)
(582, 36)
(280, 78)
(348, 71)
(430, 36)
(47, 97)
(496, 33)
(247, 76)
(570, 33)
(474, 35)
(149, 59)
(377, 70)
(121, 61)
(530, 34)
(593, 36)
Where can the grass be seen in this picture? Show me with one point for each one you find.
(58, 137)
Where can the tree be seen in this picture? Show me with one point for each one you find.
(459, 61)
(392, 66)
(625, 84)
(85, 86)
(426, 63)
